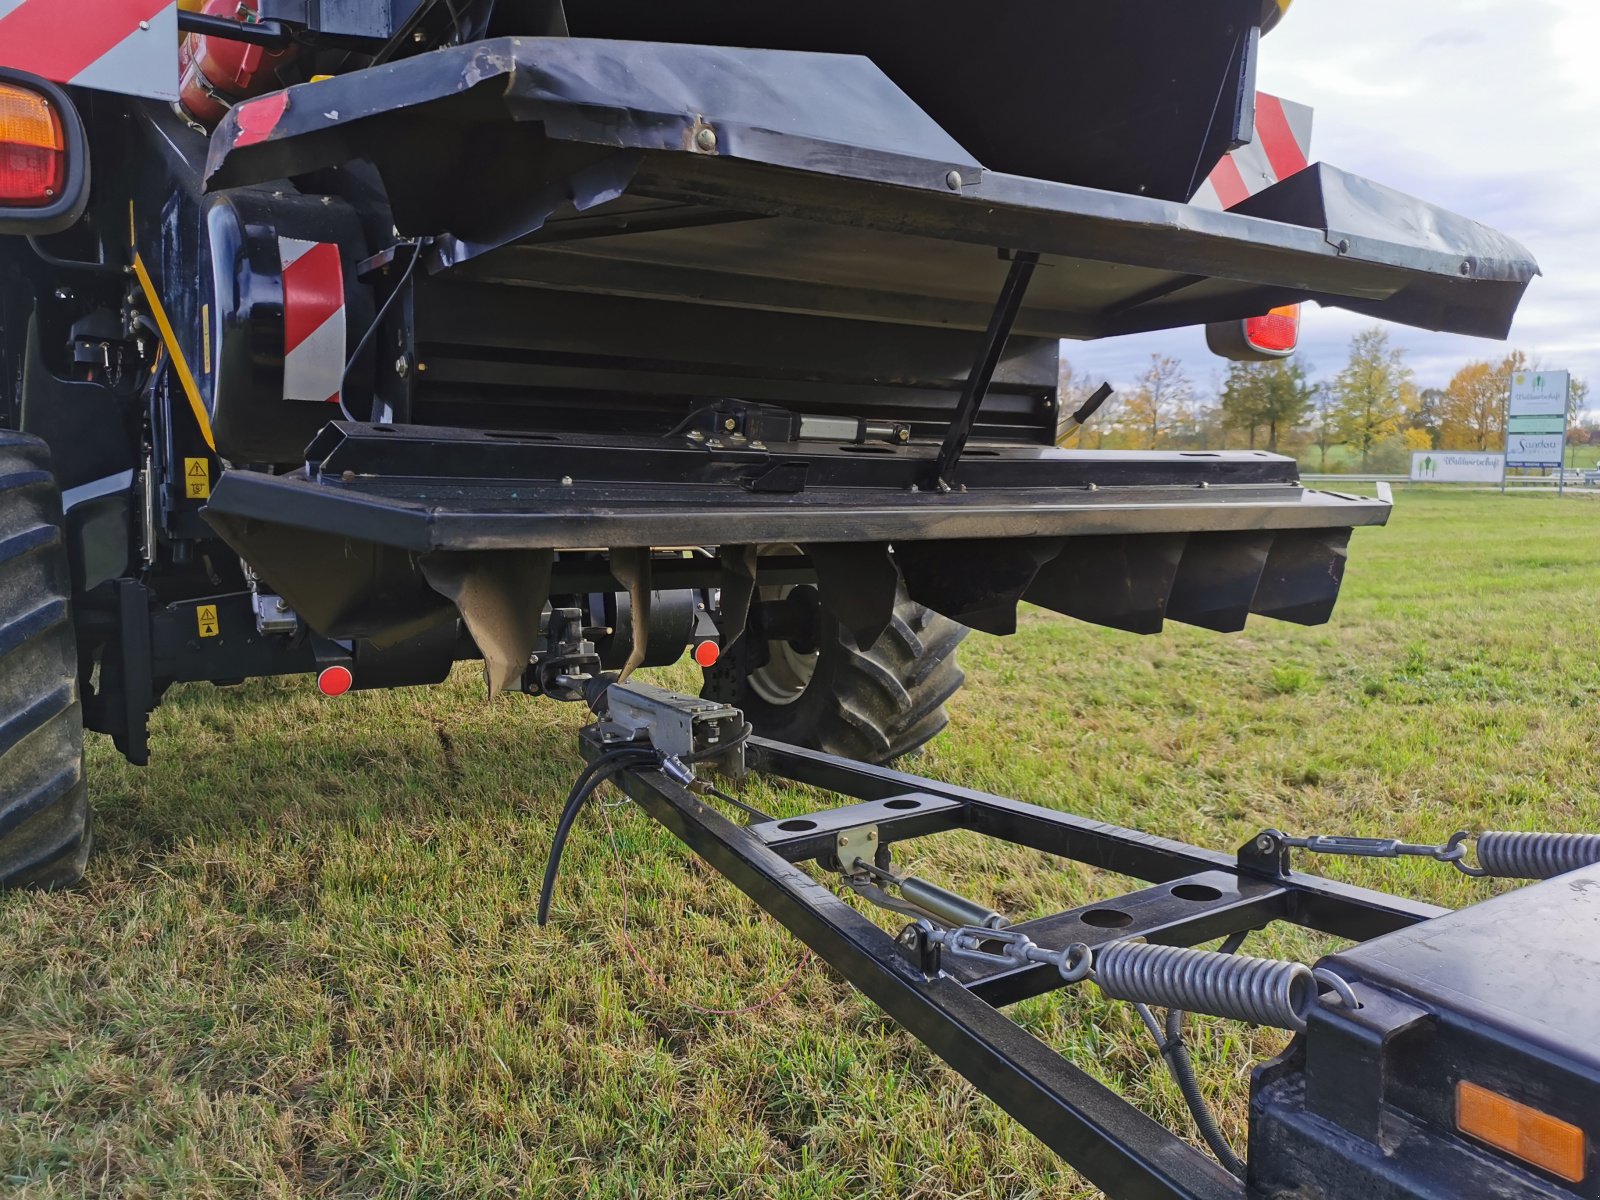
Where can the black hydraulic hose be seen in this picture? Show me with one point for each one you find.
(587, 784)
(1176, 1054)
(405, 278)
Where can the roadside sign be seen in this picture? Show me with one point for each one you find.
(1457, 466)
(1539, 394)
(1536, 421)
(1534, 449)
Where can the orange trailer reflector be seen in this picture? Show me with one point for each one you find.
(1525, 1133)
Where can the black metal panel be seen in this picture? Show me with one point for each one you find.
(1161, 76)
(508, 342)
(1499, 995)
(336, 538)
(975, 583)
(1217, 579)
(858, 582)
(1301, 580)
(866, 224)
(1119, 581)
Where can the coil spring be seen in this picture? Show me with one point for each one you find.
(1536, 855)
(1260, 990)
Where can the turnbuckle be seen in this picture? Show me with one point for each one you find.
(1501, 854)
(1453, 851)
(997, 947)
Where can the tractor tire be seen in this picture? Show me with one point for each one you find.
(872, 704)
(44, 807)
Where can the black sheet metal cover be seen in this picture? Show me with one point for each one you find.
(843, 163)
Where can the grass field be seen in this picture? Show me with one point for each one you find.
(305, 963)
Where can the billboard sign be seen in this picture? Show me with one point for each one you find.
(1457, 466)
(1536, 419)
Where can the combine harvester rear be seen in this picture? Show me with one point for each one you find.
(359, 339)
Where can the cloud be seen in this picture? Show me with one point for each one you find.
(1490, 108)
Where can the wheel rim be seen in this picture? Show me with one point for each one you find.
(783, 679)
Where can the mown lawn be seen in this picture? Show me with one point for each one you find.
(305, 963)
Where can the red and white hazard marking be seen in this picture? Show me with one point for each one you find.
(1282, 148)
(127, 46)
(313, 320)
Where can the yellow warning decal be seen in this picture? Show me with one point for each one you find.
(206, 617)
(197, 478)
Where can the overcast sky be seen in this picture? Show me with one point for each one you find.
(1487, 107)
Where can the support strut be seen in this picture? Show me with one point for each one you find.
(982, 375)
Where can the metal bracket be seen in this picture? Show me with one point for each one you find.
(858, 844)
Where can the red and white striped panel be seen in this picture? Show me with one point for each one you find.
(313, 320)
(1282, 148)
(127, 46)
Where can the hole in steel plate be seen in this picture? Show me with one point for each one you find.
(1197, 892)
(902, 803)
(1105, 918)
(860, 449)
(796, 826)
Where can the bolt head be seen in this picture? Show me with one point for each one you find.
(953, 181)
(872, 835)
(694, 435)
(1264, 844)
(730, 424)
(706, 140)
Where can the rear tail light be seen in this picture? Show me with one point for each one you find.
(33, 149)
(1258, 339)
(1276, 333)
(1535, 1137)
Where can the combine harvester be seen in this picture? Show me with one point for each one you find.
(359, 337)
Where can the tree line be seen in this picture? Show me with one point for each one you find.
(1370, 416)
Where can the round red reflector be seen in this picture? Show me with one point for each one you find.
(335, 681)
(707, 653)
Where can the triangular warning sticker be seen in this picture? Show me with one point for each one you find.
(197, 467)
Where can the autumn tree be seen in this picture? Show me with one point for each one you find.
(1273, 397)
(1160, 406)
(1473, 413)
(1373, 395)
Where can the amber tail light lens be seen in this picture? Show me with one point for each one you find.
(33, 149)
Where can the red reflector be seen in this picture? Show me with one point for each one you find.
(707, 653)
(33, 150)
(335, 681)
(1276, 333)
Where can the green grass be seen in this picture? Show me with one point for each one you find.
(305, 962)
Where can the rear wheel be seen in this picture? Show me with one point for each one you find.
(800, 677)
(44, 808)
